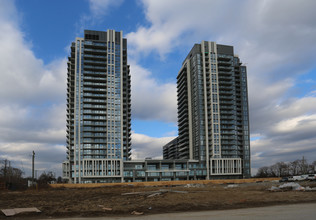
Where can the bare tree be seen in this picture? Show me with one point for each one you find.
(303, 166)
(294, 167)
(274, 170)
(4, 168)
(263, 172)
(46, 178)
(9, 173)
(11, 176)
(281, 169)
(314, 167)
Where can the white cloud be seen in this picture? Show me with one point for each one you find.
(101, 7)
(296, 123)
(152, 100)
(145, 146)
(98, 11)
(24, 78)
(32, 98)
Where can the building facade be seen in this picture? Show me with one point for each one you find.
(98, 108)
(213, 116)
(170, 150)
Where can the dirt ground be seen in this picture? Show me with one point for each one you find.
(123, 200)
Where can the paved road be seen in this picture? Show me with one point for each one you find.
(286, 212)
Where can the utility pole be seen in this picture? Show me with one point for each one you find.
(33, 156)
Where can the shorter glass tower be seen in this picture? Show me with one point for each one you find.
(213, 116)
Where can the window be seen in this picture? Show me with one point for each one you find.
(214, 79)
(153, 174)
(140, 173)
(178, 167)
(138, 166)
(165, 167)
(181, 173)
(214, 97)
(167, 174)
(151, 167)
(126, 173)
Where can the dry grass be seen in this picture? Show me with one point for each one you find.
(119, 200)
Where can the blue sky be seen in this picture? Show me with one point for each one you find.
(276, 40)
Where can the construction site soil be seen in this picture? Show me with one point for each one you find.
(129, 199)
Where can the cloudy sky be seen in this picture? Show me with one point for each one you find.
(276, 39)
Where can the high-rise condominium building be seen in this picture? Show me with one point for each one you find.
(98, 108)
(213, 112)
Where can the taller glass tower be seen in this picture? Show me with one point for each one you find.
(98, 108)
